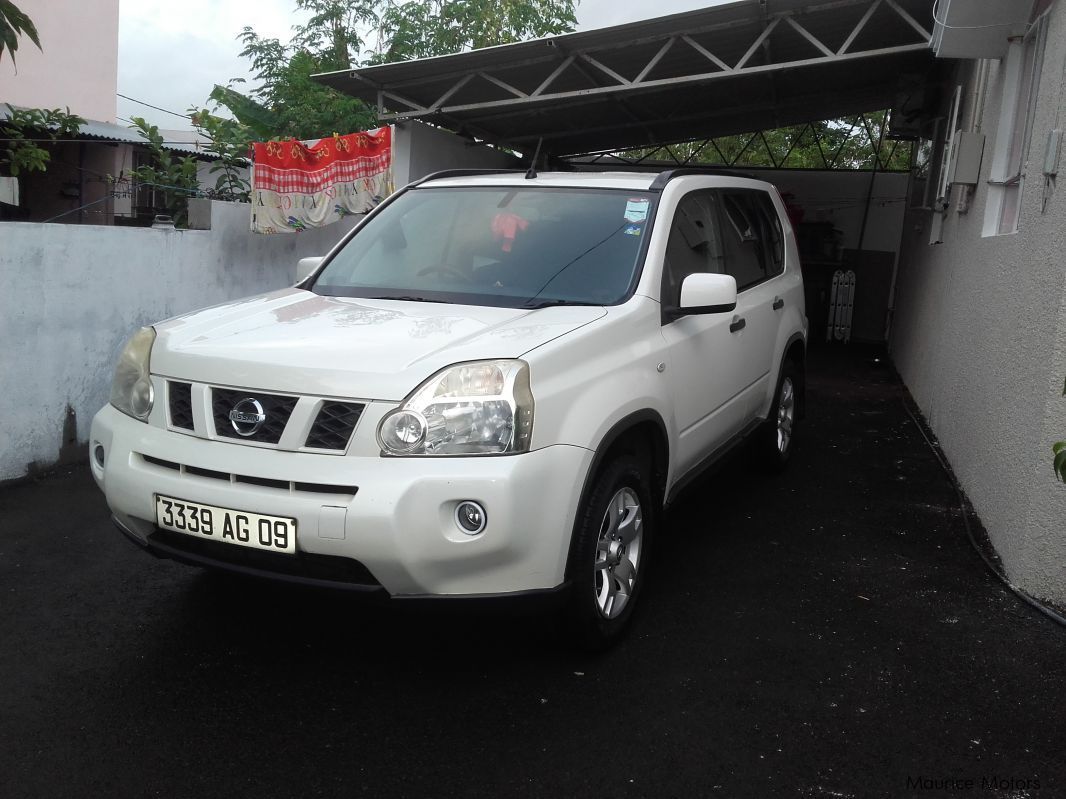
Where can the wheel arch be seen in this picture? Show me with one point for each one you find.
(642, 433)
(796, 352)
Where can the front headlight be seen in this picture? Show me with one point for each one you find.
(477, 408)
(131, 389)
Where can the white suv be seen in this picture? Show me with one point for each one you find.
(492, 386)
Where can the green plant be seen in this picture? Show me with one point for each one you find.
(175, 177)
(22, 132)
(1059, 448)
(230, 142)
(15, 23)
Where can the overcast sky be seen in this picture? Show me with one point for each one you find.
(171, 54)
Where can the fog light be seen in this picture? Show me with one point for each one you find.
(98, 454)
(470, 517)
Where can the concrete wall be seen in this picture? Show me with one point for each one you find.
(980, 340)
(72, 294)
(77, 65)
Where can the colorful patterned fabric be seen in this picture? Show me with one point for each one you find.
(299, 185)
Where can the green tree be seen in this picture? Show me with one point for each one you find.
(13, 24)
(230, 141)
(845, 143)
(423, 28)
(174, 177)
(287, 103)
(23, 132)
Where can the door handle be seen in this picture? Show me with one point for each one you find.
(738, 324)
(778, 303)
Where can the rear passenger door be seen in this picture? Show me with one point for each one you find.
(753, 245)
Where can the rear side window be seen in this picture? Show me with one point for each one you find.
(752, 236)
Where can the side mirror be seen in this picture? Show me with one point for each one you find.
(707, 293)
(305, 266)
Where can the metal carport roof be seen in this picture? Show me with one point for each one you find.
(726, 69)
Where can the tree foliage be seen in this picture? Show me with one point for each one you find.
(13, 24)
(229, 141)
(845, 143)
(423, 28)
(174, 177)
(23, 132)
(287, 103)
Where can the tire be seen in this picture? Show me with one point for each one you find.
(777, 439)
(609, 554)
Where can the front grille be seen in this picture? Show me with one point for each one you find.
(277, 409)
(334, 425)
(305, 565)
(180, 395)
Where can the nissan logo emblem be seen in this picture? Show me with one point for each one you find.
(247, 417)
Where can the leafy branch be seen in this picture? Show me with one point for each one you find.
(175, 177)
(24, 128)
(230, 141)
(15, 23)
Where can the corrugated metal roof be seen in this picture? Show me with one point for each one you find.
(108, 131)
(726, 69)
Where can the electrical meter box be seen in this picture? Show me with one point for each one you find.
(965, 166)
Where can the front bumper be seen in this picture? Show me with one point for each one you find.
(395, 516)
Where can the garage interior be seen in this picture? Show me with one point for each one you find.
(664, 87)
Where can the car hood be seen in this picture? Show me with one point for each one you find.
(299, 342)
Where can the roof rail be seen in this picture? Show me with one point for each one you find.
(463, 173)
(665, 177)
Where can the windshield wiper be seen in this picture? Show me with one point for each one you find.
(548, 303)
(404, 298)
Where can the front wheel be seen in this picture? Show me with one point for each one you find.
(610, 552)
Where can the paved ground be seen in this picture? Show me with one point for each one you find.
(828, 633)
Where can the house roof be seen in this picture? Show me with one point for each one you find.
(732, 68)
(187, 142)
(107, 131)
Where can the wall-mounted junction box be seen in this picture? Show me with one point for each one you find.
(1051, 152)
(965, 166)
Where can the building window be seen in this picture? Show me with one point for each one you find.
(1021, 83)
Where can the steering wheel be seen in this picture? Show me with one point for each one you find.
(444, 270)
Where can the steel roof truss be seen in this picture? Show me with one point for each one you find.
(703, 51)
(622, 85)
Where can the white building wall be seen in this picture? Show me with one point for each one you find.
(980, 340)
(419, 149)
(73, 293)
(77, 65)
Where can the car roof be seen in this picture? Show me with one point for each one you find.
(633, 181)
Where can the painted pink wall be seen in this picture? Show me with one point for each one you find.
(79, 63)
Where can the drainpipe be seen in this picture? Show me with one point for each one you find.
(81, 182)
(870, 190)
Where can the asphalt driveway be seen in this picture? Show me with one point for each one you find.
(825, 633)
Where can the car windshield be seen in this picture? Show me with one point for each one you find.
(512, 247)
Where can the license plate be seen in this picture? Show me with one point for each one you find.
(255, 530)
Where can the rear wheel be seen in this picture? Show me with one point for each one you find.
(610, 553)
(777, 438)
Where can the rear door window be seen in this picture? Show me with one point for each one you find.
(752, 236)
